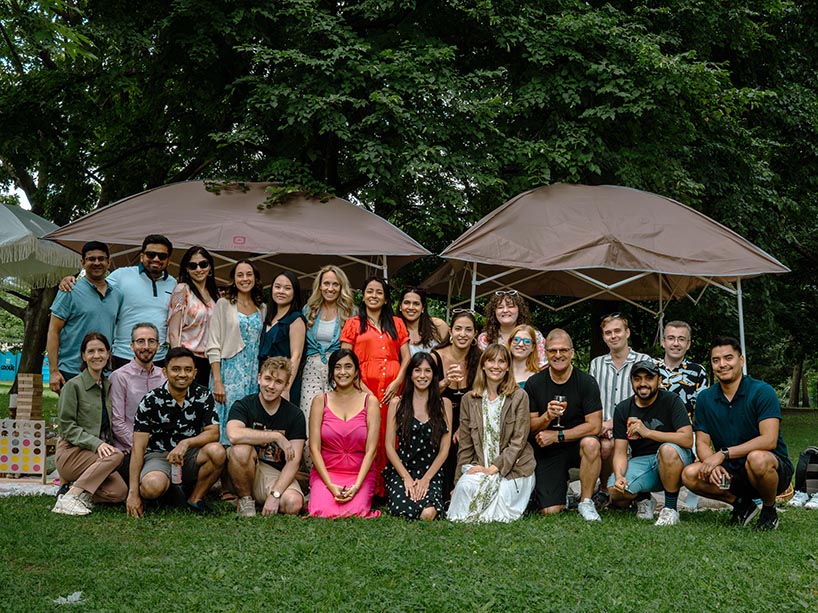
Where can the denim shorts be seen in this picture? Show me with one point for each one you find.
(643, 472)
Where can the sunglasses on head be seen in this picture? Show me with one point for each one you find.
(200, 264)
(459, 311)
(616, 315)
(156, 255)
(506, 292)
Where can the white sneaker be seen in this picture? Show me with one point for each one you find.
(667, 517)
(87, 499)
(587, 509)
(246, 506)
(812, 503)
(70, 505)
(646, 508)
(798, 499)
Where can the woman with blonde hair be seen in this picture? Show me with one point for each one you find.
(329, 306)
(495, 463)
(523, 355)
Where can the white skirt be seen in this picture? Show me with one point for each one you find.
(481, 498)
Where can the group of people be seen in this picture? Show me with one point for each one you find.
(435, 418)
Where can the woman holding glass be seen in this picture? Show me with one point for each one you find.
(495, 463)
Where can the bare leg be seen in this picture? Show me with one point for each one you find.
(761, 471)
(670, 468)
(590, 464)
(211, 461)
(242, 469)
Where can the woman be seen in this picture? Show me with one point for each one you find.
(329, 306)
(505, 310)
(495, 463)
(85, 453)
(419, 421)
(284, 330)
(523, 357)
(343, 435)
(379, 339)
(425, 332)
(233, 341)
(456, 361)
(191, 307)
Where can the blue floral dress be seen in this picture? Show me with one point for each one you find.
(240, 373)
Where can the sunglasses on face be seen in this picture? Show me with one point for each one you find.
(156, 255)
(519, 339)
(506, 292)
(200, 264)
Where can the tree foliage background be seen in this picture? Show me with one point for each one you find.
(432, 113)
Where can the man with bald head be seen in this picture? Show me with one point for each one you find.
(564, 430)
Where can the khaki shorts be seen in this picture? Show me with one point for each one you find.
(266, 478)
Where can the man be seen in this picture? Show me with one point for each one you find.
(679, 375)
(564, 435)
(742, 455)
(146, 290)
(130, 383)
(655, 425)
(612, 373)
(175, 424)
(92, 307)
(267, 434)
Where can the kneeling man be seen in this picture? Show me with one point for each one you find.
(738, 440)
(175, 424)
(654, 423)
(267, 433)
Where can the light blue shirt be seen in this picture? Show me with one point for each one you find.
(83, 310)
(143, 299)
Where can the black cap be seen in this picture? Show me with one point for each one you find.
(649, 366)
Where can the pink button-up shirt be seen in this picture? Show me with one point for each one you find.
(129, 385)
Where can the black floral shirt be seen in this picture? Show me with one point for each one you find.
(167, 423)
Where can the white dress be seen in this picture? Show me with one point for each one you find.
(481, 498)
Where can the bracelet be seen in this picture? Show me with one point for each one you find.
(560, 436)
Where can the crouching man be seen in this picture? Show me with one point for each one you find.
(654, 423)
(267, 434)
(175, 425)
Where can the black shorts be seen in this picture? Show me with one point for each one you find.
(553, 463)
(740, 484)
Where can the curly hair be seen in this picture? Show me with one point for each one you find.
(492, 327)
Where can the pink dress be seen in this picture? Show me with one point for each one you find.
(343, 447)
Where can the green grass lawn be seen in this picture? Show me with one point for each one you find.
(171, 560)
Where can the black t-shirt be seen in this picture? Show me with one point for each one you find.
(666, 414)
(580, 389)
(288, 419)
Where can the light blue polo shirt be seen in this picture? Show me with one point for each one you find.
(83, 310)
(143, 299)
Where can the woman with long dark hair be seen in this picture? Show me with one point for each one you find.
(284, 330)
(380, 341)
(495, 463)
(343, 438)
(425, 331)
(233, 341)
(86, 456)
(417, 443)
(191, 307)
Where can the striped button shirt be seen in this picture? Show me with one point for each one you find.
(614, 385)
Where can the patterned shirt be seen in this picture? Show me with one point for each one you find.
(168, 423)
(686, 380)
(614, 385)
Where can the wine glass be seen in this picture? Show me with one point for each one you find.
(563, 400)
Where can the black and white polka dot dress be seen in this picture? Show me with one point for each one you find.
(417, 455)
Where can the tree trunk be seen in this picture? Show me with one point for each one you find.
(804, 391)
(35, 322)
(795, 383)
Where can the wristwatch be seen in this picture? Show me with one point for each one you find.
(726, 452)
(560, 436)
(276, 494)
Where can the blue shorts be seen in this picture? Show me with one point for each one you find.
(643, 472)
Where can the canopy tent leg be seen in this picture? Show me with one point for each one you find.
(473, 285)
(385, 269)
(741, 323)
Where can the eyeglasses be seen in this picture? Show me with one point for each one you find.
(673, 339)
(559, 351)
(519, 339)
(200, 264)
(141, 342)
(459, 311)
(506, 292)
(156, 255)
(95, 258)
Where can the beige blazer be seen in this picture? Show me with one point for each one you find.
(516, 457)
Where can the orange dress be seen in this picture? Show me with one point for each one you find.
(379, 357)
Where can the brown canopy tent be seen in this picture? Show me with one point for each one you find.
(602, 242)
(231, 222)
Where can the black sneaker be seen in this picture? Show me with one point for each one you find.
(767, 521)
(200, 507)
(744, 510)
(63, 490)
